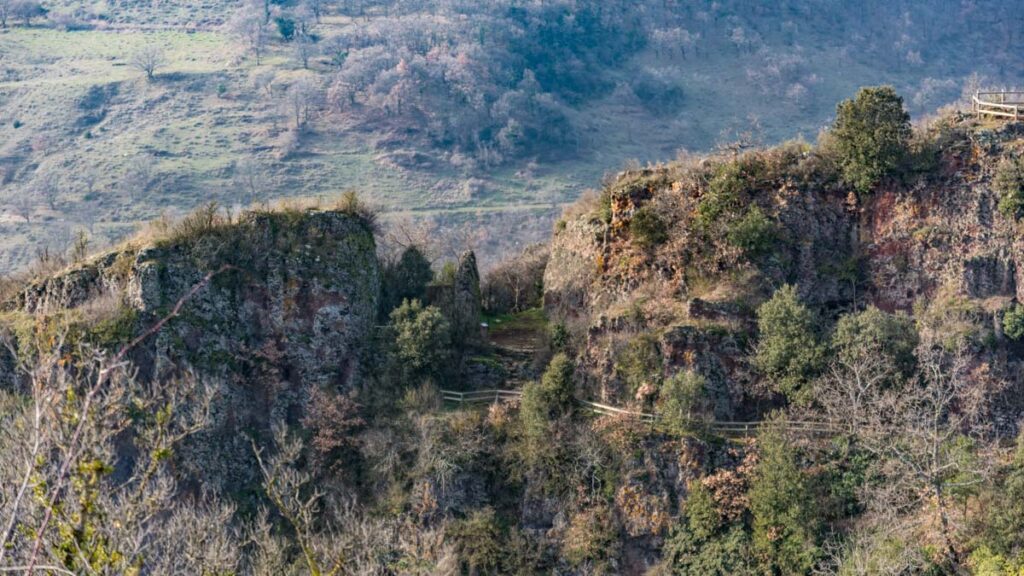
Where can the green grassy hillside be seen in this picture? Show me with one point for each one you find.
(86, 143)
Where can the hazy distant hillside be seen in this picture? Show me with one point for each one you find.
(447, 111)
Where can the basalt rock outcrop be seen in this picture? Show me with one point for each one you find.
(299, 287)
(934, 232)
(264, 308)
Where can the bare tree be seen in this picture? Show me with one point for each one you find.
(22, 203)
(26, 10)
(930, 436)
(291, 491)
(88, 214)
(317, 8)
(250, 28)
(249, 180)
(5, 12)
(138, 177)
(148, 60)
(48, 188)
(65, 456)
(263, 83)
(88, 178)
(336, 48)
(61, 509)
(300, 100)
(303, 48)
(304, 20)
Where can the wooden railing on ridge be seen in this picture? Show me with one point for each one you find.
(1004, 104)
(725, 427)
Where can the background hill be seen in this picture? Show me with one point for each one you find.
(473, 120)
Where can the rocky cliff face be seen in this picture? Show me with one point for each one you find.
(271, 305)
(946, 236)
(301, 288)
(936, 234)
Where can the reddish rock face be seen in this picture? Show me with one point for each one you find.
(915, 238)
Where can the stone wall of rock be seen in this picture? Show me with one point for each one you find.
(286, 301)
(901, 244)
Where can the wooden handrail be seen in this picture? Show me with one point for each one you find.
(720, 426)
(983, 104)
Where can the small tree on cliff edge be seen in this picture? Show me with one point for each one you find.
(870, 136)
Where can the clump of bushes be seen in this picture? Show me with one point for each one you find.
(639, 363)
(421, 339)
(783, 507)
(648, 229)
(727, 209)
(870, 136)
(1008, 182)
(682, 401)
(789, 351)
(876, 334)
(548, 399)
(1013, 322)
(754, 233)
(725, 192)
(592, 540)
(478, 540)
(405, 279)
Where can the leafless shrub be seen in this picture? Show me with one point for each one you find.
(148, 60)
(67, 507)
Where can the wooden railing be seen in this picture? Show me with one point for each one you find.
(480, 396)
(1005, 104)
(723, 427)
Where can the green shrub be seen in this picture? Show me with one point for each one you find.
(422, 339)
(285, 27)
(984, 562)
(953, 321)
(648, 229)
(558, 334)
(755, 233)
(1008, 182)
(728, 552)
(548, 399)
(1013, 322)
(1005, 523)
(116, 330)
(788, 351)
(874, 333)
(591, 539)
(724, 194)
(783, 508)
(604, 206)
(446, 277)
(870, 136)
(639, 363)
(702, 515)
(350, 203)
(478, 541)
(682, 401)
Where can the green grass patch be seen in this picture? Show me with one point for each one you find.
(532, 320)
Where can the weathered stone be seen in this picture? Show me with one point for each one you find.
(466, 304)
(271, 306)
